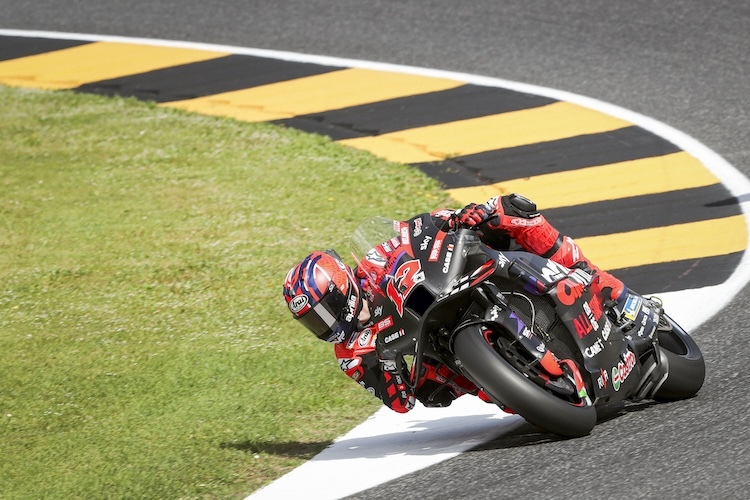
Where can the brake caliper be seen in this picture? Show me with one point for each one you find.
(580, 385)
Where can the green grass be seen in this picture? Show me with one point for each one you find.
(145, 348)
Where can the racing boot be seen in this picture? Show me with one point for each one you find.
(521, 219)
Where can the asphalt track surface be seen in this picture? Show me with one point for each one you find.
(684, 63)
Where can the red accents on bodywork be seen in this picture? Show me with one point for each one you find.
(580, 385)
(550, 364)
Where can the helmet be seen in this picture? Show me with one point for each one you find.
(323, 295)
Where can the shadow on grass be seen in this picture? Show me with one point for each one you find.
(290, 449)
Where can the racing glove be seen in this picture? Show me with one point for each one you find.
(473, 214)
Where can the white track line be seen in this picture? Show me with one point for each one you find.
(389, 445)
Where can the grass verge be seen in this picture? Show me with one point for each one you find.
(145, 349)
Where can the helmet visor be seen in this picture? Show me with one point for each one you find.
(324, 318)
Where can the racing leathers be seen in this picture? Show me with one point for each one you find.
(503, 222)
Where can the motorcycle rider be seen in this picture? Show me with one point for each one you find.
(333, 301)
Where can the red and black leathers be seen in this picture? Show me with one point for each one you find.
(359, 360)
(502, 223)
(518, 218)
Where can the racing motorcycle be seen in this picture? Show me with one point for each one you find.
(538, 338)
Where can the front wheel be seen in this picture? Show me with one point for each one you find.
(687, 369)
(499, 379)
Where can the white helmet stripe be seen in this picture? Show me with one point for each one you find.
(324, 314)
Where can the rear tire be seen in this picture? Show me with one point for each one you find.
(687, 370)
(500, 380)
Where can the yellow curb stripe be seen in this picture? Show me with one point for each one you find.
(693, 240)
(75, 66)
(555, 121)
(626, 179)
(314, 94)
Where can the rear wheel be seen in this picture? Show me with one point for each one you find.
(493, 373)
(687, 369)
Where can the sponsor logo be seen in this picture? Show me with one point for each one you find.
(594, 313)
(502, 260)
(554, 272)
(571, 288)
(527, 333)
(587, 321)
(517, 221)
(384, 323)
(435, 252)
(405, 234)
(298, 303)
(425, 242)
(351, 307)
(583, 325)
(417, 227)
(394, 336)
(365, 337)
(568, 291)
(375, 257)
(603, 378)
(622, 370)
(347, 364)
(378, 311)
(606, 330)
(448, 256)
(594, 349)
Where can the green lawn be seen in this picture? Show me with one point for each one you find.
(145, 348)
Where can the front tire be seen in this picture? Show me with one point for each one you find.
(687, 370)
(500, 380)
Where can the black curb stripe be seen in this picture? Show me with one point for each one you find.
(629, 143)
(460, 103)
(188, 81)
(13, 47)
(644, 212)
(680, 275)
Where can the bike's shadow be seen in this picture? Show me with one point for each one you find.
(527, 434)
(417, 436)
